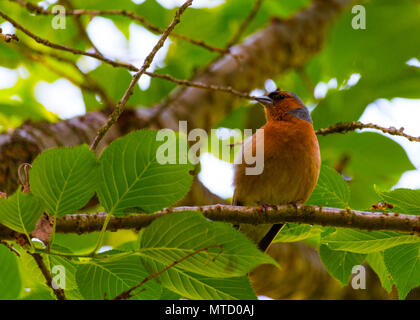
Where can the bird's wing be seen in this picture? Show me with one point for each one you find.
(235, 200)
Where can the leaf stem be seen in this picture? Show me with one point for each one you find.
(101, 236)
(53, 232)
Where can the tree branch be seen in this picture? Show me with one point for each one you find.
(200, 85)
(307, 214)
(354, 125)
(59, 293)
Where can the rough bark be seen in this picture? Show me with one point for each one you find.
(307, 214)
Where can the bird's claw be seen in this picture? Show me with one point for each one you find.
(265, 206)
(295, 204)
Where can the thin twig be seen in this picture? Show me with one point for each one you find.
(128, 293)
(245, 23)
(79, 12)
(120, 105)
(59, 293)
(187, 83)
(201, 85)
(8, 37)
(81, 27)
(10, 247)
(354, 125)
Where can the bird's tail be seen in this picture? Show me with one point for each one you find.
(269, 236)
(262, 234)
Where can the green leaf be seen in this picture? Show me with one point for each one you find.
(64, 178)
(10, 282)
(30, 274)
(359, 241)
(376, 261)
(134, 181)
(177, 235)
(79, 243)
(331, 189)
(57, 264)
(20, 212)
(198, 287)
(169, 295)
(404, 200)
(39, 293)
(403, 264)
(34, 281)
(99, 279)
(373, 159)
(297, 232)
(340, 263)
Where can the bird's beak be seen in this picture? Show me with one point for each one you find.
(264, 100)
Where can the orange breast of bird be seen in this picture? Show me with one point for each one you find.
(291, 165)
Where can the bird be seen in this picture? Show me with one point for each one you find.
(292, 162)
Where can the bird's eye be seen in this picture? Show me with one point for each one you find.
(281, 96)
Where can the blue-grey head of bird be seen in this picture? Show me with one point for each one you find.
(281, 105)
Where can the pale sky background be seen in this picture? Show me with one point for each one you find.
(64, 99)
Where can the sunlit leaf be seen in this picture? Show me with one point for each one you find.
(198, 287)
(331, 189)
(64, 178)
(376, 261)
(340, 263)
(297, 232)
(177, 235)
(98, 280)
(403, 263)
(132, 179)
(10, 282)
(360, 241)
(20, 211)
